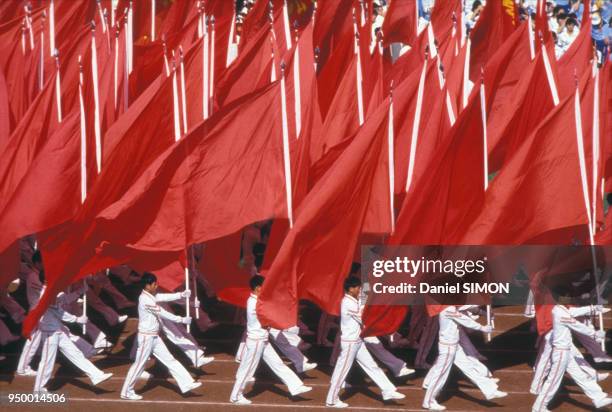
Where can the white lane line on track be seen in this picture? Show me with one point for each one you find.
(319, 385)
(253, 405)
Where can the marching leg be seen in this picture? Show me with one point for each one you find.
(178, 371)
(47, 360)
(143, 352)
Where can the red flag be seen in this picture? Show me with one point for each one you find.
(495, 24)
(543, 172)
(332, 214)
(401, 21)
(221, 266)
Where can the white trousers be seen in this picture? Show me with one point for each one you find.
(32, 345)
(438, 374)
(349, 352)
(254, 351)
(153, 345)
(53, 341)
(287, 342)
(375, 346)
(177, 334)
(561, 361)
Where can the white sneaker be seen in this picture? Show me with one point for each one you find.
(241, 401)
(122, 318)
(101, 378)
(604, 359)
(603, 402)
(533, 391)
(102, 344)
(145, 376)
(192, 386)
(43, 390)
(302, 389)
(602, 376)
(497, 395)
(28, 372)
(405, 371)
(204, 360)
(434, 406)
(496, 380)
(131, 397)
(393, 395)
(308, 366)
(338, 404)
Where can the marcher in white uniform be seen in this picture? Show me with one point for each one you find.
(35, 282)
(54, 337)
(450, 352)
(149, 341)
(256, 347)
(353, 348)
(562, 358)
(178, 335)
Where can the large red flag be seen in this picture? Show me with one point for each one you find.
(401, 21)
(523, 200)
(184, 197)
(495, 24)
(308, 265)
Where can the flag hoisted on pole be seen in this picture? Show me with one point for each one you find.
(286, 157)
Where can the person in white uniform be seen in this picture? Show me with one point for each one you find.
(353, 348)
(257, 347)
(35, 282)
(150, 343)
(450, 352)
(562, 358)
(54, 337)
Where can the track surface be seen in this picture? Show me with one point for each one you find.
(510, 354)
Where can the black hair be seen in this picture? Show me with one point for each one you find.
(256, 281)
(571, 21)
(475, 5)
(609, 198)
(148, 279)
(351, 282)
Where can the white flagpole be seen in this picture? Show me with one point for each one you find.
(126, 65)
(585, 194)
(51, 28)
(116, 67)
(229, 57)
(186, 298)
(58, 90)
(102, 19)
(166, 65)
(286, 25)
(152, 20)
(94, 74)
(83, 169)
(359, 80)
(200, 20)
(297, 90)
(390, 144)
(489, 322)
(415, 126)
(211, 77)
(465, 92)
(286, 157)
(595, 159)
(23, 36)
(550, 77)
(130, 34)
(483, 112)
(205, 73)
(183, 97)
(531, 38)
(29, 26)
(41, 73)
